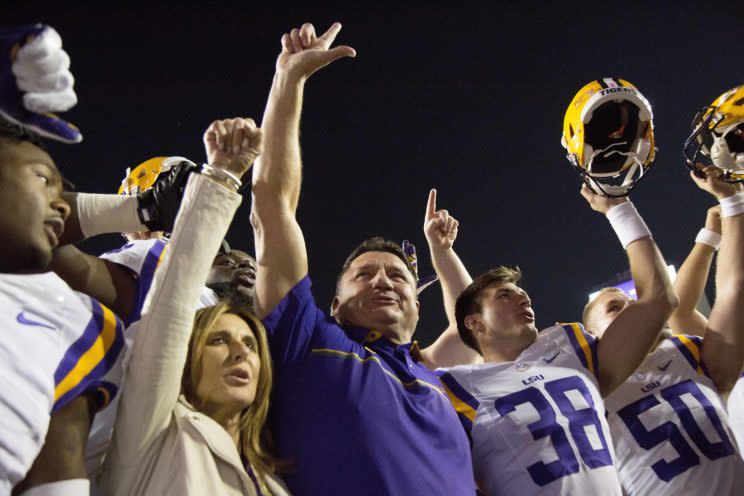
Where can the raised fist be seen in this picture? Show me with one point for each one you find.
(233, 144)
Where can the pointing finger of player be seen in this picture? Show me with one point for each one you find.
(431, 204)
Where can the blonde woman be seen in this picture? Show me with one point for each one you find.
(228, 366)
(193, 406)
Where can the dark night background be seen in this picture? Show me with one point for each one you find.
(467, 99)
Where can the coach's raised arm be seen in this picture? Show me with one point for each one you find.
(353, 405)
(280, 247)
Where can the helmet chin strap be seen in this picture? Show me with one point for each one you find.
(631, 172)
(629, 179)
(602, 150)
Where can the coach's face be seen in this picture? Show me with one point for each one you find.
(378, 292)
(32, 211)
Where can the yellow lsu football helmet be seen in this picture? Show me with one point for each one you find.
(718, 136)
(142, 177)
(608, 132)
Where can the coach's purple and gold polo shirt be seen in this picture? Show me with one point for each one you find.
(356, 413)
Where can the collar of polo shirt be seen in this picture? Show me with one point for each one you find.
(366, 336)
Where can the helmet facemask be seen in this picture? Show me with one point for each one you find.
(713, 144)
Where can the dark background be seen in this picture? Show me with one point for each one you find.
(468, 99)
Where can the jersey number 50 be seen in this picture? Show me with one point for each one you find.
(546, 426)
(669, 431)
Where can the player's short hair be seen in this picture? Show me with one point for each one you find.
(14, 132)
(469, 302)
(375, 244)
(590, 305)
(18, 134)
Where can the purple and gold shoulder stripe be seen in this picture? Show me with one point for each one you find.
(465, 404)
(90, 357)
(584, 344)
(689, 347)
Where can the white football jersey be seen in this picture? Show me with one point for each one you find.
(670, 427)
(736, 412)
(537, 424)
(142, 257)
(56, 344)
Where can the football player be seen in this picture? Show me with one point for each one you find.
(669, 420)
(719, 134)
(534, 409)
(233, 276)
(57, 344)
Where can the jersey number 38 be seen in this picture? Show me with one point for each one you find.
(547, 426)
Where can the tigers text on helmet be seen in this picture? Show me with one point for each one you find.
(608, 132)
(718, 136)
(142, 177)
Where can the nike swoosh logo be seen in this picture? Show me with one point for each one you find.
(22, 319)
(665, 366)
(550, 360)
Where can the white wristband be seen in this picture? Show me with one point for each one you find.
(100, 214)
(732, 205)
(708, 237)
(627, 223)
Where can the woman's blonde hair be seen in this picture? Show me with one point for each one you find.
(254, 438)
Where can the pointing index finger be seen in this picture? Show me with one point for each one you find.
(431, 204)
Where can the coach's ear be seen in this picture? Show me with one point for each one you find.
(334, 306)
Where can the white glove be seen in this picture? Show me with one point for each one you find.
(41, 68)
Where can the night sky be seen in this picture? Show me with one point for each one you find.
(468, 100)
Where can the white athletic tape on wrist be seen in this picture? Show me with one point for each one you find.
(99, 214)
(732, 205)
(627, 223)
(708, 237)
(70, 487)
